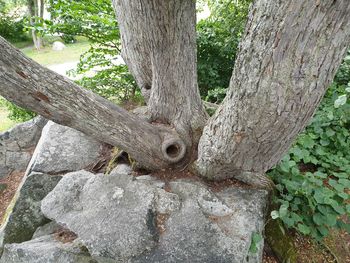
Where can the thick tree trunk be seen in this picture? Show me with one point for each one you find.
(32, 86)
(159, 45)
(288, 57)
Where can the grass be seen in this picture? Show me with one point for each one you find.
(47, 56)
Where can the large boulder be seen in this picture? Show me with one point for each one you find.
(25, 215)
(142, 219)
(45, 249)
(58, 46)
(62, 149)
(17, 145)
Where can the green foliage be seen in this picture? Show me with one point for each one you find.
(255, 241)
(17, 113)
(11, 24)
(217, 44)
(313, 178)
(95, 20)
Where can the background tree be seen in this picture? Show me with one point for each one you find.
(36, 10)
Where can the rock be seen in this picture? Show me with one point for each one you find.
(280, 242)
(17, 144)
(128, 219)
(26, 216)
(58, 46)
(118, 222)
(46, 230)
(211, 227)
(62, 149)
(45, 249)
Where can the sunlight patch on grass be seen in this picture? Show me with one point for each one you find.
(47, 56)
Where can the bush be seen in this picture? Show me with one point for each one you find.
(96, 21)
(217, 44)
(17, 113)
(12, 29)
(312, 180)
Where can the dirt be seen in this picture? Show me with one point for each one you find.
(171, 175)
(64, 235)
(10, 184)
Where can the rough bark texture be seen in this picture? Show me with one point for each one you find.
(288, 57)
(32, 86)
(159, 45)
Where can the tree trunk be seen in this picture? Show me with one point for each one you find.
(289, 54)
(32, 86)
(159, 45)
(288, 57)
(35, 11)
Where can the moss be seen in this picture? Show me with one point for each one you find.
(281, 244)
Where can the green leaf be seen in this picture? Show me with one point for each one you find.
(331, 220)
(255, 240)
(319, 197)
(341, 100)
(330, 132)
(348, 208)
(345, 182)
(318, 219)
(323, 230)
(296, 217)
(275, 214)
(303, 229)
(338, 208)
(283, 210)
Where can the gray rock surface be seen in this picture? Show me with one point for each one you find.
(62, 149)
(45, 249)
(17, 144)
(59, 149)
(58, 46)
(116, 222)
(130, 219)
(46, 229)
(26, 214)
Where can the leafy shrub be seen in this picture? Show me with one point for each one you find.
(12, 28)
(217, 44)
(96, 21)
(312, 180)
(17, 113)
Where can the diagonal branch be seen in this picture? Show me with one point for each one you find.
(34, 87)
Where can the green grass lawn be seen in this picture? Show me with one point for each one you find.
(47, 56)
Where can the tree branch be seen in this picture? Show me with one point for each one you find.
(34, 87)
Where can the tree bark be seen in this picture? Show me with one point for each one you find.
(159, 45)
(32, 86)
(288, 57)
(35, 11)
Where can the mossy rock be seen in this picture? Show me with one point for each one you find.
(281, 244)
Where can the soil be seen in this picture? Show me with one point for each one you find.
(10, 184)
(64, 235)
